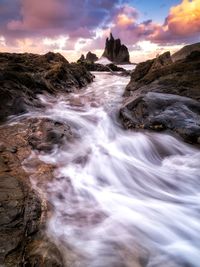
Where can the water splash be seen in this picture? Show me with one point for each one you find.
(121, 198)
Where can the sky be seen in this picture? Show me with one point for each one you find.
(73, 27)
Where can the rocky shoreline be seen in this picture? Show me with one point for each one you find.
(164, 95)
(161, 95)
(23, 211)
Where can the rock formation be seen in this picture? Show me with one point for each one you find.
(115, 51)
(23, 241)
(23, 212)
(185, 51)
(23, 76)
(91, 57)
(165, 95)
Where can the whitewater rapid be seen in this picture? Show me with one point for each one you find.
(120, 198)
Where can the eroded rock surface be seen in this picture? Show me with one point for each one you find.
(180, 78)
(155, 111)
(115, 51)
(23, 212)
(24, 76)
(165, 95)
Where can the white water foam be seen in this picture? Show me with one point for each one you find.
(121, 198)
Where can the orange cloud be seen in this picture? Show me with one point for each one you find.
(184, 19)
(124, 20)
(181, 25)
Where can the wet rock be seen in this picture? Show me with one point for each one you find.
(47, 133)
(180, 78)
(24, 76)
(108, 68)
(115, 51)
(155, 111)
(22, 211)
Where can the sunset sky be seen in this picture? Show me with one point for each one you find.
(73, 27)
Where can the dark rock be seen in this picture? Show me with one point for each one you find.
(23, 76)
(18, 218)
(108, 68)
(181, 77)
(115, 51)
(81, 59)
(91, 57)
(185, 51)
(155, 111)
(48, 133)
(22, 212)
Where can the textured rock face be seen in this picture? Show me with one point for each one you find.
(115, 51)
(155, 111)
(91, 57)
(180, 78)
(185, 51)
(23, 76)
(165, 95)
(22, 212)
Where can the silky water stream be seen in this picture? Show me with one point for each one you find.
(120, 198)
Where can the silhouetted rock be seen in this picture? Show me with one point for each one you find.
(91, 57)
(185, 51)
(115, 51)
(100, 67)
(23, 76)
(81, 59)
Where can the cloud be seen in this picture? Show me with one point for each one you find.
(181, 25)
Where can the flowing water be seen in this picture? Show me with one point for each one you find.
(120, 198)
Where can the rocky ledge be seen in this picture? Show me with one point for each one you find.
(165, 95)
(24, 76)
(23, 212)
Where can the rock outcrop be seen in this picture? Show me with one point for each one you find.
(91, 57)
(181, 78)
(155, 111)
(23, 212)
(24, 76)
(165, 95)
(185, 51)
(115, 51)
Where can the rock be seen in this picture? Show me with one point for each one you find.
(24, 76)
(108, 68)
(22, 211)
(181, 77)
(115, 51)
(48, 133)
(81, 59)
(91, 57)
(156, 111)
(185, 51)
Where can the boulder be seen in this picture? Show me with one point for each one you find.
(91, 57)
(115, 51)
(158, 111)
(24, 76)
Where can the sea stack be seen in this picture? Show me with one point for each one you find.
(115, 51)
